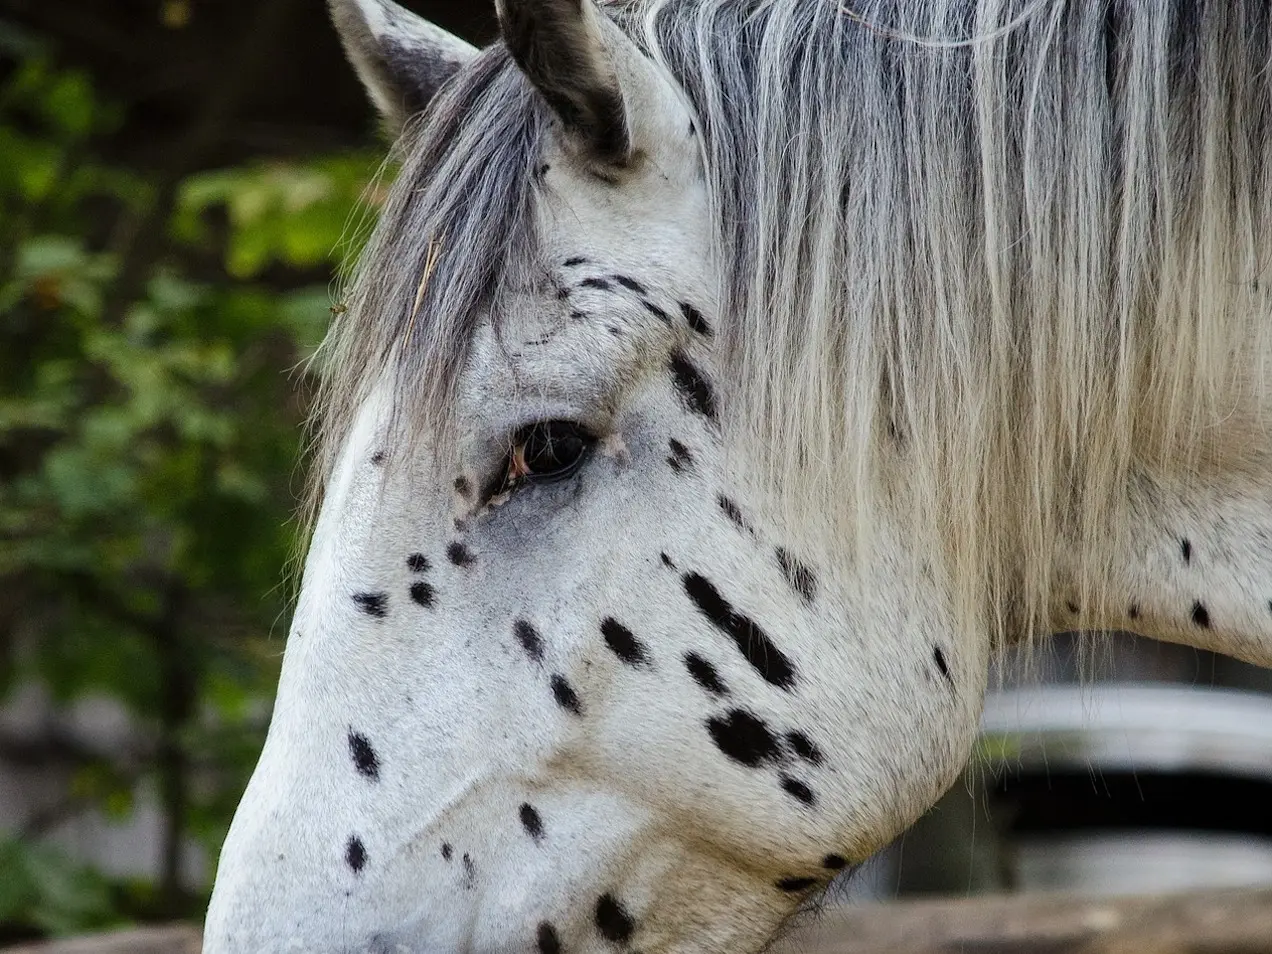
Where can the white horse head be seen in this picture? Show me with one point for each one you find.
(637, 607)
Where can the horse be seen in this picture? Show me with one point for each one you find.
(725, 385)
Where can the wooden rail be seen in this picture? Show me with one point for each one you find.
(1214, 922)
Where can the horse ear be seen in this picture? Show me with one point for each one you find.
(401, 58)
(566, 48)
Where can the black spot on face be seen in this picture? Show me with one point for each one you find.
(577, 315)
(797, 574)
(470, 872)
(612, 920)
(599, 284)
(795, 885)
(667, 561)
(463, 487)
(1201, 615)
(657, 312)
(733, 512)
(529, 639)
(767, 660)
(835, 862)
(531, 821)
(562, 293)
(1134, 611)
(547, 940)
(1072, 607)
(377, 458)
(1185, 549)
(681, 459)
(422, 593)
(695, 320)
(459, 554)
(447, 851)
(355, 854)
(564, 694)
(804, 747)
(693, 387)
(629, 283)
(623, 643)
(705, 674)
(364, 757)
(798, 789)
(577, 260)
(373, 604)
(938, 656)
(744, 738)
(417, 563)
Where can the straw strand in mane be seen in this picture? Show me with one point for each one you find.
(981, 258)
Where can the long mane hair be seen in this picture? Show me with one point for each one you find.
(981, 259)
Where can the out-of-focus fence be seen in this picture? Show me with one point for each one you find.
(1215, 921)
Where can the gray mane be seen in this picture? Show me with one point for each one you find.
(1016, 242)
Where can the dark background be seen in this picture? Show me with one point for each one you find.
(251, 77)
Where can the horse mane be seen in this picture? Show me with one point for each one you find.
(981, 259)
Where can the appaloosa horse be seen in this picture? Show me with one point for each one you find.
(725, 382)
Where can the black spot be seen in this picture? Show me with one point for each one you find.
(564, 694)
(693, 387)
(629, 283)
(459, 554)
(599, 284)
(470, 872)
(769, 661)
(377, 458)
(543, 169)
(1134, 611)
(1201, 615)
(680, 458)
(797, 574)
(422, 593)
(612, 920)
(623, 643)
(562, 293)
(694, 317)
(463, 487)
(835, 862)
(446, 851)
(373, 604)
(1185, 548)
(547, 939)
(804, 747)
(744, 738)
(733, 512)
(417, 563)
(529, 639)
(355, 854)
(796, 884)
(1072, 607)
(667, 561)
(938, 656)
(614, 330)
(577, 315)
(364, 757)
(577, 260)
(657, 312)
(795, 787)
(705, 674)
(531, 821)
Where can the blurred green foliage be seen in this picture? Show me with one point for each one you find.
(148, 465)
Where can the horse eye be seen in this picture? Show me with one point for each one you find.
(547, 450)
